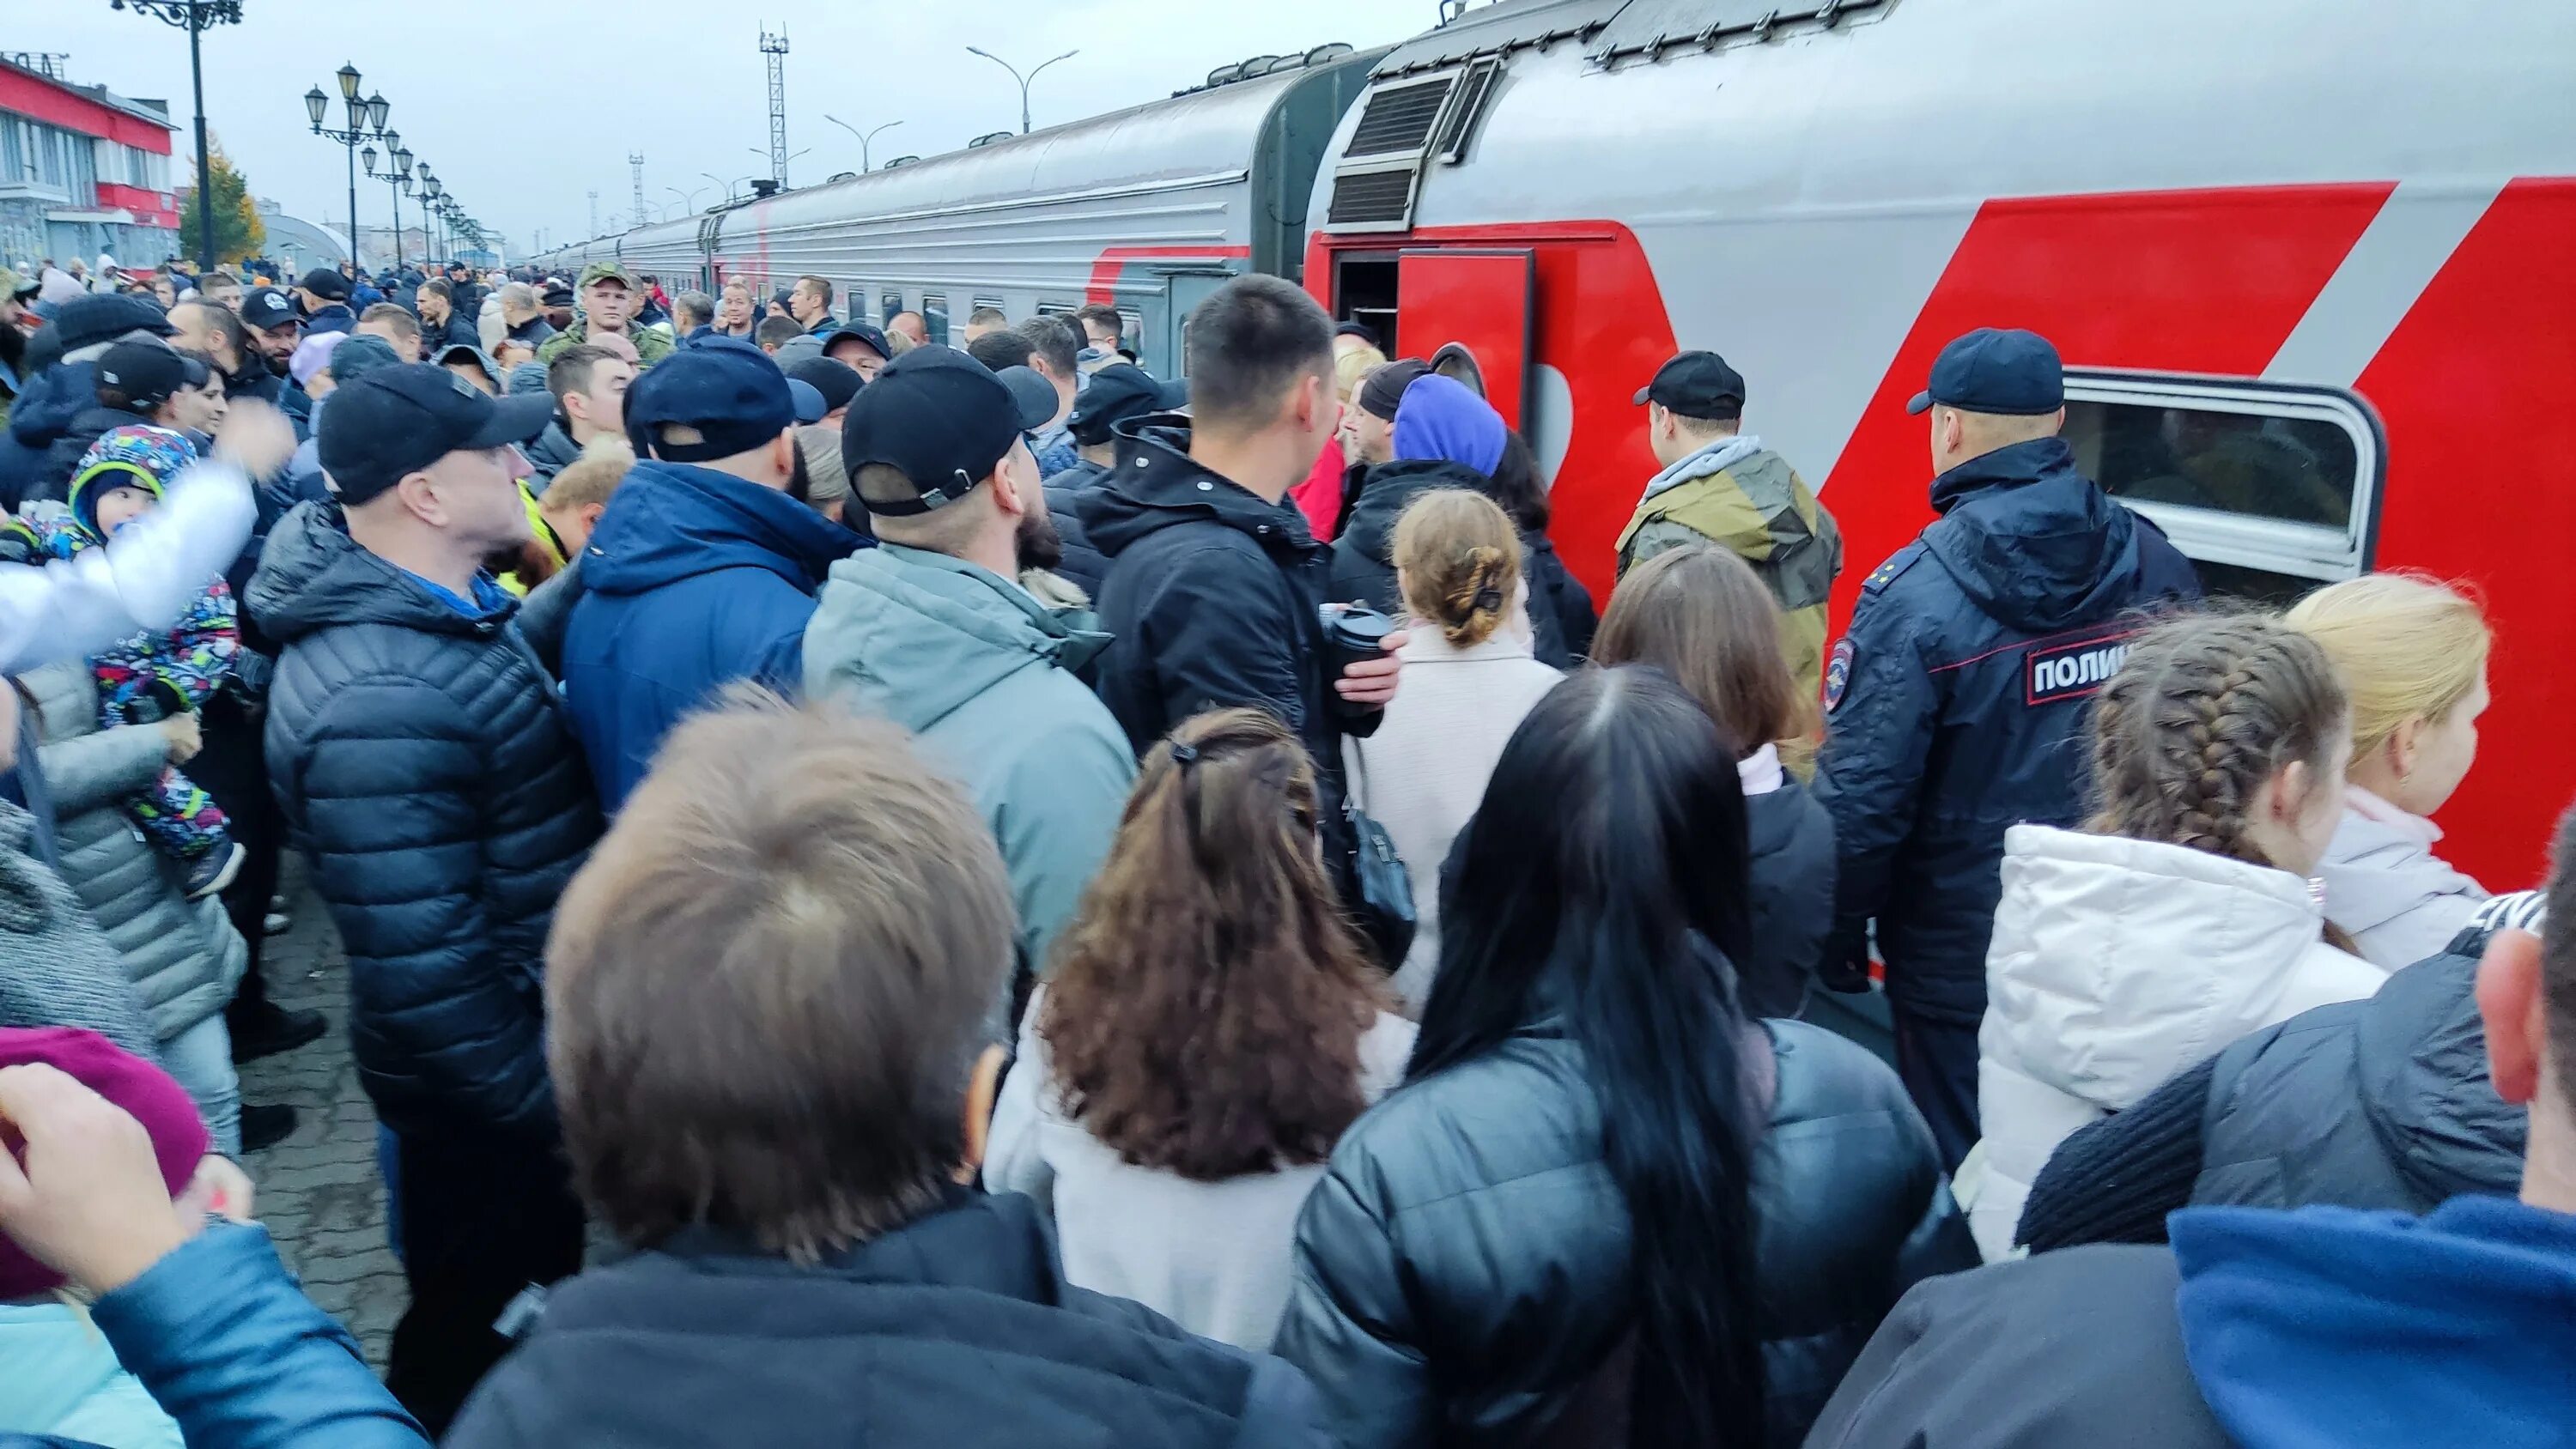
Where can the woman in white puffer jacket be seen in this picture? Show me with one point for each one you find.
(2182, 916)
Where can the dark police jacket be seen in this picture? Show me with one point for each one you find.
(1958, 705)
(424, 767)
(956, 1330)
(1464, 1268)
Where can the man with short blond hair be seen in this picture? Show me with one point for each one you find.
(769, 995)
(400, 330)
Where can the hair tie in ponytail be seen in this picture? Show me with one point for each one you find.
(1489, 601)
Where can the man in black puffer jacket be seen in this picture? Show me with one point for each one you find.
(2381, 1103)
(1215, 585)
(423, 763)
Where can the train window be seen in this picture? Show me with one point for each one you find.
(893, 301)
(2270, 489)
(1057, 309)
(1131, 331)
(934, 317)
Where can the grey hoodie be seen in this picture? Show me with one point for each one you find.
(984, 674)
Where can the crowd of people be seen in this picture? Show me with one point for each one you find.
(1038, 904)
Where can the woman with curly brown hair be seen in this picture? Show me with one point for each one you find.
(1209, 1030)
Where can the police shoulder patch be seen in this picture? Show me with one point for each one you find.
(1888, 572)
(1838, 675)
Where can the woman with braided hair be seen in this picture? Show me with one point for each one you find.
(2183, 915)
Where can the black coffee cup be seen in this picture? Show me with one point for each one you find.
(1353, 633)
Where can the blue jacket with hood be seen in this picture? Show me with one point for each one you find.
(41, 417)
(693, 579)
(1958, 701)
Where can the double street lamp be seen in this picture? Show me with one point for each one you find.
(196, 17)
(864, 137)
(1024, 80)
(364, 115)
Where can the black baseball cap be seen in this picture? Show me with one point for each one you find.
(864, 333)
(1996, 370)
(724, 388)
(838, 382)
(264, 308)
(395, 421)
(557, 295)
(149, 372)
(1359, 330)
(326, 283)
(1383, 390)
(1696, 385)
(942, 420)
(1120, 393)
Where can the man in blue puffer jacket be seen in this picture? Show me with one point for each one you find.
(703, 570)
(1958, 698)
(421, 760)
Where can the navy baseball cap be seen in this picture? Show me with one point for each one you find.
(724, 388)
(942, 420)
(862, 332)
(394, 421)
(264, 308)
(1996, 370)
(1119, 393)
(325, 283)
(1696, 385)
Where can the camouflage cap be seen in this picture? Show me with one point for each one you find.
(601, 271)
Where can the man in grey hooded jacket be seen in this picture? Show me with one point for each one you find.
(931, 630)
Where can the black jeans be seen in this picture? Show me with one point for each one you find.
(481, 1216)
(233, 770)
(1938, 1062)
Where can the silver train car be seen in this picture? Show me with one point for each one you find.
(1147, 209)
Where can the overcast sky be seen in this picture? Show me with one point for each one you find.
(522, 108)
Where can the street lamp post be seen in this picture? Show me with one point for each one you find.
(197, 17)
(428, 189)
(1024, 80)
(864, 137)
(688, 198)
(397, 179)
(364, 115)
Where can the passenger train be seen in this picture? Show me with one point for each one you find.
(2307, 261)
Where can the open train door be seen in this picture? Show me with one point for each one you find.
(1481, 300)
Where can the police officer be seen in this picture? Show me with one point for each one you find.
(1957, 701)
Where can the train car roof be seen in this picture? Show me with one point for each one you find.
(1202, 136)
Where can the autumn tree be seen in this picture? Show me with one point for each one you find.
(239, 232)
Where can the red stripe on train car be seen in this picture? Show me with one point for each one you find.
(2473, 387)
(2208, 281)
(1112, 261)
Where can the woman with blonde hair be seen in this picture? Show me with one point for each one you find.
(1319, 498)
(1211, 1027)
(1701, 615)
(1469, 678)
(2412, 653)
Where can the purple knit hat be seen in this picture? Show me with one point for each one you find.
(145, 1091)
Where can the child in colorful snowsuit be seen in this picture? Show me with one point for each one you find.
(153, 676)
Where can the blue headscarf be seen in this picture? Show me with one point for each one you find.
(1443, 418)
